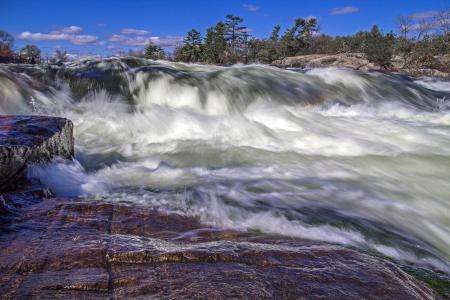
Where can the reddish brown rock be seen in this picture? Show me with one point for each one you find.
(67, 249)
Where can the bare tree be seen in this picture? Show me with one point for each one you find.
(6, 39)
(61, 56)
(405, 24)
(442, 21)
(423, 28)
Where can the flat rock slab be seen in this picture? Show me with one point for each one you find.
(66, 249)
(31, 139)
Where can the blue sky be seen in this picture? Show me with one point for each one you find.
(105, 27)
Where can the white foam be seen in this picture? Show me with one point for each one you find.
(240, 148)
(434, 84)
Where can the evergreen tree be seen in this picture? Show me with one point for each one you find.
(154, 52)
(31, 54)
(274, 37)
(304, 37)
(192, 48)
(298, 37)
(273, 47)
(378, 47)
(193, 42)
(244, 46)
(215, 44)
(235, 33)
(288, 43)
(229, 42)
(60, 57)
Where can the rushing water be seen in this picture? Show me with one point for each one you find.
(348, 157)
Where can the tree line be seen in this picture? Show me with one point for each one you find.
(229, 42)
(29, 54)
(417, 44)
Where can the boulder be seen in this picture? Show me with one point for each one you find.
(31, 139)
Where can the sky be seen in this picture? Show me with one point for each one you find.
(94, 27)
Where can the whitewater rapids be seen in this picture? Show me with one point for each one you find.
(355, 158)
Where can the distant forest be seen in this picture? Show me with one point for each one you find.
(417, 42)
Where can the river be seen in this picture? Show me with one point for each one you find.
(355, 158)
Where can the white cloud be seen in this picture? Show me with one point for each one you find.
(117, 38)
(43, 36)
(83, 39)
(167, 41)
(344, 10)
(72, 38)
(428, 21)
(130, 41)
(250, 7)
(134, 31)
(69, 30)
(163, 41)
(424, 15)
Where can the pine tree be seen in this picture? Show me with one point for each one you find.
(234, 32)
(273, 44)
(60, 57)
(191, 51)
(298, 37)
(215, 44)
(378, 47)
(193, 42)
(154, 52)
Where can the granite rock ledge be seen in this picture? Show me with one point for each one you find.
(31, 139)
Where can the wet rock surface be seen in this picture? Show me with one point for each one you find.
(31, 139)
(67, 249)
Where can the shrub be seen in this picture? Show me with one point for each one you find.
(378, 47)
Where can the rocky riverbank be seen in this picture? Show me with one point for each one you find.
(356, 61)
(71, 249)
(61, 248)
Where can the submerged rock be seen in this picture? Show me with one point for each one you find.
(31, 139)
(59, 248)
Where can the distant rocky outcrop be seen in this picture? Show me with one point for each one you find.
(31, 139)
(356, 61)
(348, 60)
